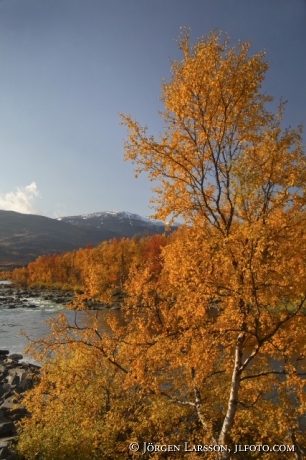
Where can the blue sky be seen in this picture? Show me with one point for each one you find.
(68, 67)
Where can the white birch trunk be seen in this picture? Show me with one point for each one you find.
(233, 398)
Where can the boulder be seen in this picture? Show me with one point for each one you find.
(15, 378)
(15, 356)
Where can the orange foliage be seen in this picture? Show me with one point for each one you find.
(100, 270)
(214, 333)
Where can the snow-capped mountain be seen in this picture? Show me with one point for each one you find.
(24, 237)
(121, 223)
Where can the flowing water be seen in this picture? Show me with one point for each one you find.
(32, 322)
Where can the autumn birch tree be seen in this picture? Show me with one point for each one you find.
(226, 166)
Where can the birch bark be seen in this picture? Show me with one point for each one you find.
(233, 398)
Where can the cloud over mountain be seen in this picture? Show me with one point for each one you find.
(22, 200)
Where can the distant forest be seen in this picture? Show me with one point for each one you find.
(100, 271)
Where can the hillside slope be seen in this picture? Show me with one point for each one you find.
(123, 224)
(24, 237)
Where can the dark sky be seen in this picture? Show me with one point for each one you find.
(68, 67)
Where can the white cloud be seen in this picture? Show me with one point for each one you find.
(21, 201)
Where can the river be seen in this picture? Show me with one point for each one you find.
(32, 321)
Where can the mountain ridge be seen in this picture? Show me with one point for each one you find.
(118, 214)
(24, 237)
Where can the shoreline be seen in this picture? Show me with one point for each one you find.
(14, 296)
(16, 377)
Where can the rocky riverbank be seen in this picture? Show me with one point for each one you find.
(15, 297)
(16, 377)
(12, 296)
